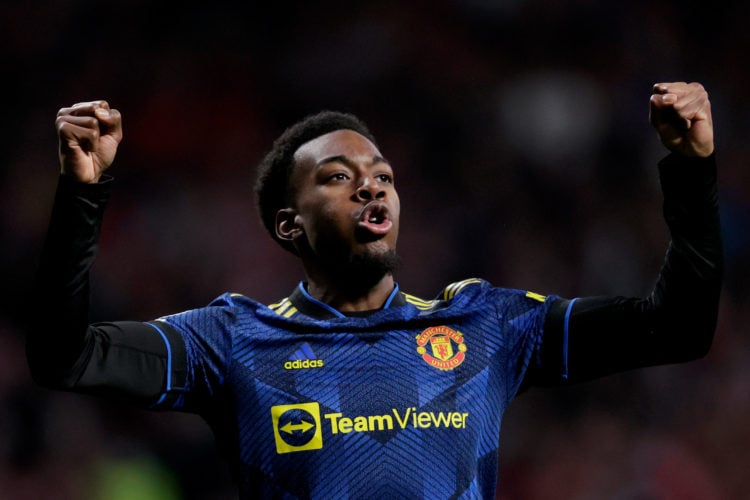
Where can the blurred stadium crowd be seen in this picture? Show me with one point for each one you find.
(523, 155)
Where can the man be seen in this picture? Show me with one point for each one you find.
(350, 387)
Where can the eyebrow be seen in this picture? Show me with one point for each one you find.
(346, 161)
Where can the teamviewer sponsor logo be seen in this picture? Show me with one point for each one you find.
(297, 427)
(303, 358)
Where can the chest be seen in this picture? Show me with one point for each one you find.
(434, 378)
(407, 365)
(397, 401)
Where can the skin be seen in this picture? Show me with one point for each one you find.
(89, 134)
(338, 174)
(681, 114)
(340, 180)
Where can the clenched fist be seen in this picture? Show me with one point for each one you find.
(681, 114)
(88, 133)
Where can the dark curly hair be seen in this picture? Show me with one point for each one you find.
(272, 183)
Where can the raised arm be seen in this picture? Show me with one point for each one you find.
(124, 359)
(589, 337)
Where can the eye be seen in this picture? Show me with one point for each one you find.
(338, 177)
(385, 178)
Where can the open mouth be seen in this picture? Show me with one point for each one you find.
(375, 218)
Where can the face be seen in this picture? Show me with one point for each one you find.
(346, 202)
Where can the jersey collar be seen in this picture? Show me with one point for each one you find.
(312, 307)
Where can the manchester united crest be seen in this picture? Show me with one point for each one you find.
(441, 347)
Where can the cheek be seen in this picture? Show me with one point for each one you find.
(323, 222)
(329, 217)
(396, 212)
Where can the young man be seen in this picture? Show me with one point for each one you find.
(350, 387)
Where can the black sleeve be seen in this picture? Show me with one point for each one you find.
(138, 362)
(591, 337)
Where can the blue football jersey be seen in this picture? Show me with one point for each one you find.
(404, 402)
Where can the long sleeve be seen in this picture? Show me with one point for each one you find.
(589, 337)
(129, 360)
(57, 332)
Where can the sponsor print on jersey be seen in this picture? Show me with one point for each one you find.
(298, 427)
(303, 358)
(436, 346)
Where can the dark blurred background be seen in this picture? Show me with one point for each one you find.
(523, 155)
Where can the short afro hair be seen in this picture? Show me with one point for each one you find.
(275, 170)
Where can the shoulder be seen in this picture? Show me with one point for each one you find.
(465, 289)
(227, 308)
(479, 292)
(477, 287)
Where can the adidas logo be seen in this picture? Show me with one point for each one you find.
(303, 358)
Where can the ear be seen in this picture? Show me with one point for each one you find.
(288, 226)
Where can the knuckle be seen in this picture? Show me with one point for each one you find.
(61, 122)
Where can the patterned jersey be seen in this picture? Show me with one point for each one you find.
(404, 402)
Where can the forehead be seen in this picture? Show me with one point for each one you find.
(346, 143)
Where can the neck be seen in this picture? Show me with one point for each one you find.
(346, 298)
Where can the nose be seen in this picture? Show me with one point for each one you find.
(369, 190)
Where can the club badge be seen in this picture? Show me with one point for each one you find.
(441, 347)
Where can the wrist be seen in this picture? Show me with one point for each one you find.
(81, 179)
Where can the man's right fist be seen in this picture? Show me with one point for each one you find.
(88, 133)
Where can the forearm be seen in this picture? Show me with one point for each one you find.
(139, 362)
(595, 336)
(57, 330)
